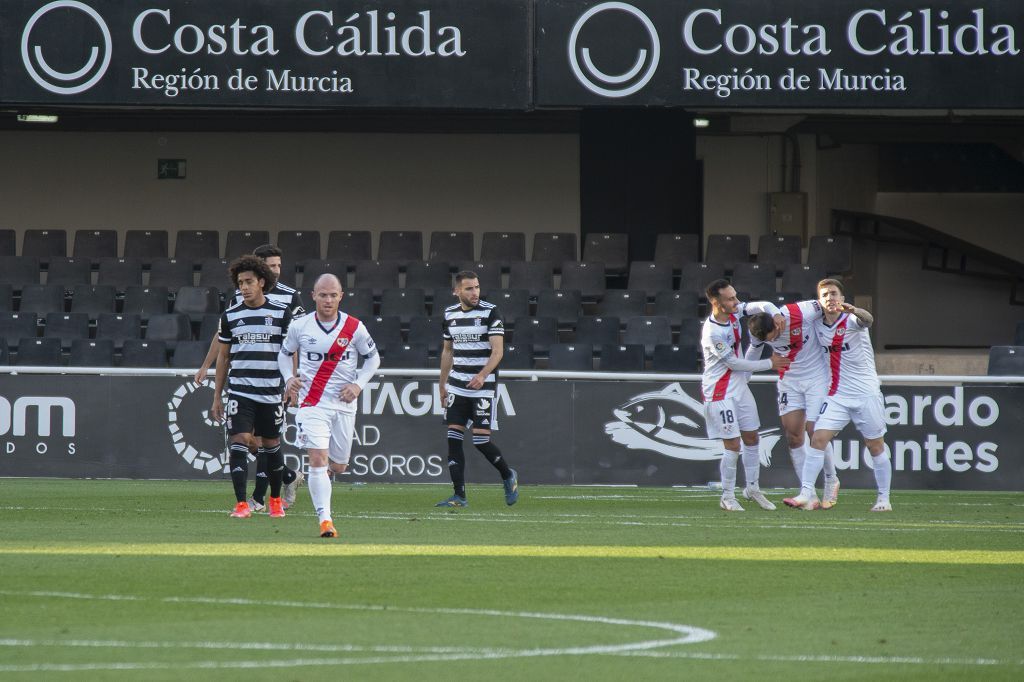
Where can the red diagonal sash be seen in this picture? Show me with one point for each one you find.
(323, 374)
(796, 334)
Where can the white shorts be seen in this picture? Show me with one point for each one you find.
(326, 429)
(867, 415)
(806, 395)
(727, 417)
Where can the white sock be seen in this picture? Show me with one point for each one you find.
(727, 467)
(798, 455)
(751, 464)
(830, 463)
(812, 467)
(883, 473)
(320, 490)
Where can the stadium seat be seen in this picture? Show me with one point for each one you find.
(376, 275)
(196, 245)
(358, 303)
(92, 353)
(69, 272)
(312, 269)
(834, 254)
(512, 303)
(171, 274)
(803, 279)
(488, 272)
(404, 304)
(561, 304)
(45, 244)
(170, 328)
(503, 247)
(145, 301)
(728, 249)
(95, 244)
(67, 327)
(697, 276)
(590, 279)
(8, 243)
(676, 249)
(597, 330)
(14, 326)
(209, 327)
(42, 299)
(758, 279)
(6, 297)
(534, 276)
(299, 245)
(649, 277)
(571, 357)
(1006, 361)
(539, 332)
(146, 245)
(426, 331)
(118, 328)
(403, 246)
(684, 358)
(189, 354)
(213, 272)
(690, 330)
(517, 356)
(39, 353)
(648, 332)
(19, 271)
(244, 242)
(783, 297)
(451, 246)
(782, 250)
(196, 302)
(441, 298)
(622, 358)
(610, 248)
(428, 275)
(349, 246)
(120, 273)
(138, 353)
(622, 303)
(385, 331)
(554, 247)
(676, 305)
(407, 356)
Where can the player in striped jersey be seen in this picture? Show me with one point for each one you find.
(325, 382)
(801, 386)
(473, 334)
(729, 408)
(250, 335)
(286, 295)
(854, 392)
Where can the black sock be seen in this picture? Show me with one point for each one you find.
(259, 493)
(238, 460)
(287, 476)
(492, 453)
(275, 468)
(457, 462)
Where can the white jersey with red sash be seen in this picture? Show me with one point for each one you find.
(851, 358)
(328, 357)
(720, 342)
(799, 343)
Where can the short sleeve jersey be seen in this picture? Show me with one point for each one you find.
(255, 336)
(470, 333)
(718, 341)
(283, 294)
(851, 357)
(798, 342)
(328, 357)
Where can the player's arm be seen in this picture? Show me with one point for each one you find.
(446, 368)
(367, 350)
(755, 307)
(217, 409)
(497, 352)
(211, 355)
(865, 318)
(288, 365)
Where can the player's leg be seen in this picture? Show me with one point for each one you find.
(343, 427)
(814, 399)
(314, 434)
(721, 423)
(832, 418)
(457, 415)
(269, 420)
(870, 422)
(484, 421)
(240, 416)
(792, 415)
(750, 445)
(258, 501)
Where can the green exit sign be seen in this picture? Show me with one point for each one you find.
(170, 169)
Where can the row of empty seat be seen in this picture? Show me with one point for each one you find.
(612, 249)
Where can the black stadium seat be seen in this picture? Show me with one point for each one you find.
(676, 249)
(487, 272)
(554, 247)
(571, 357)
(561, 304)
(213, 272)
(8, 243)
(385, 331)
(92, 353)
(69, 272)
(146, 245)
(67, 327)
(349, 246)
(145, 301)
(407, 356)
(14, 326)
(358, 303)
(171, 273)
(610, 248)
(622, 358)
(19, 271)
(118, 328)
(590, 279)
(189, 354)
(312, 269)
(697, 276)
(376, 275)
(428, 275)
(503, 247)
(441, 298)
(647, 331)
(95, 244)
(42, 299)
(756, 278)
(534, 276)
(451, 246)
(512, 303)
(1006, 361)
(598, 330)
(139, 353)
(426, 331)
(622, 303)
(243, 242)
(45, 244)
(728, 249)
(833, 254)
(803, 279)
(402, 247)
(404, 304)
(169, 328)
(517, 356)
(1018, 337)
(539, 332)
(6, 297)
(682, 358)
(650, 277)
(676, 305)
(782, 250)
(120, 273)
(299, 245)
(195, 302)
(40, 352)
(196, 245)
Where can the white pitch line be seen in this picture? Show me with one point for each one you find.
(232, 646)
(812, 658)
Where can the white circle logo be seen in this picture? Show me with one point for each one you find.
(62, 82)
(608, 85)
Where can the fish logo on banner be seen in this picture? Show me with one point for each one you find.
(671, 423)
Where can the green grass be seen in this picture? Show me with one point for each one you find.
(127, 580)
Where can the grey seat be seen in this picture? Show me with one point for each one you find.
(19, 271)
(69, 272)
(697, 276)
(590, 279)
(539, 332)
(196, 245)
(243, 242)
(350, 246)
(428, 275)
(171, 273)
(598, 330)
(650, 277)
(385, 331)
(676, 305)
(407, 356)
(622, 303)
(648, 332)
(145, 301)
(451, 246)
(120, 273)
(14, 326)
(571, 357)
(189, 354)
(622, 358)
(503, 247)
(561, 304)
(95, 244)
(299, 245)
(42, 299)
(358, 303)
(376, 275)
(728, 249)
(426, 331)
(833, 253)
(554, 247)
(170, 328)
(1006, 361)
(67, 327)
(534, 276)
(676, 249)
(404, 304)
(312, 269)
(146, 245)
(512, 303)
(91, 353)
(44, 244)
(803, 279)
(487, 272)
(757, 279)
(195, 302)
(213, 272)
(782, 250)
(40, 352)
(682, 358)
(403, 246)
(610, 248)
(138, 353)
(517, 356)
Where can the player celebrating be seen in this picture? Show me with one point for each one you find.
(474, 336)
(327, 344)
(250, 338)
(801, 386)
(854, 393)
(729, 408)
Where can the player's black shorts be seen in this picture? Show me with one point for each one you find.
(245, 415)
(482, 412)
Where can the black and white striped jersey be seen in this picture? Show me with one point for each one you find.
(470, 332)
(255, 335)
(283, 294)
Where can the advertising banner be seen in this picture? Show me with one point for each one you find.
(469, 54)
(554, 432)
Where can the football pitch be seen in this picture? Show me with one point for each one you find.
(126, 580)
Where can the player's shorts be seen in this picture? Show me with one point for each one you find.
(322, 428)
(728, 417)
(245, 415)
(806, 395)
(867, 415)
(481, 413)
